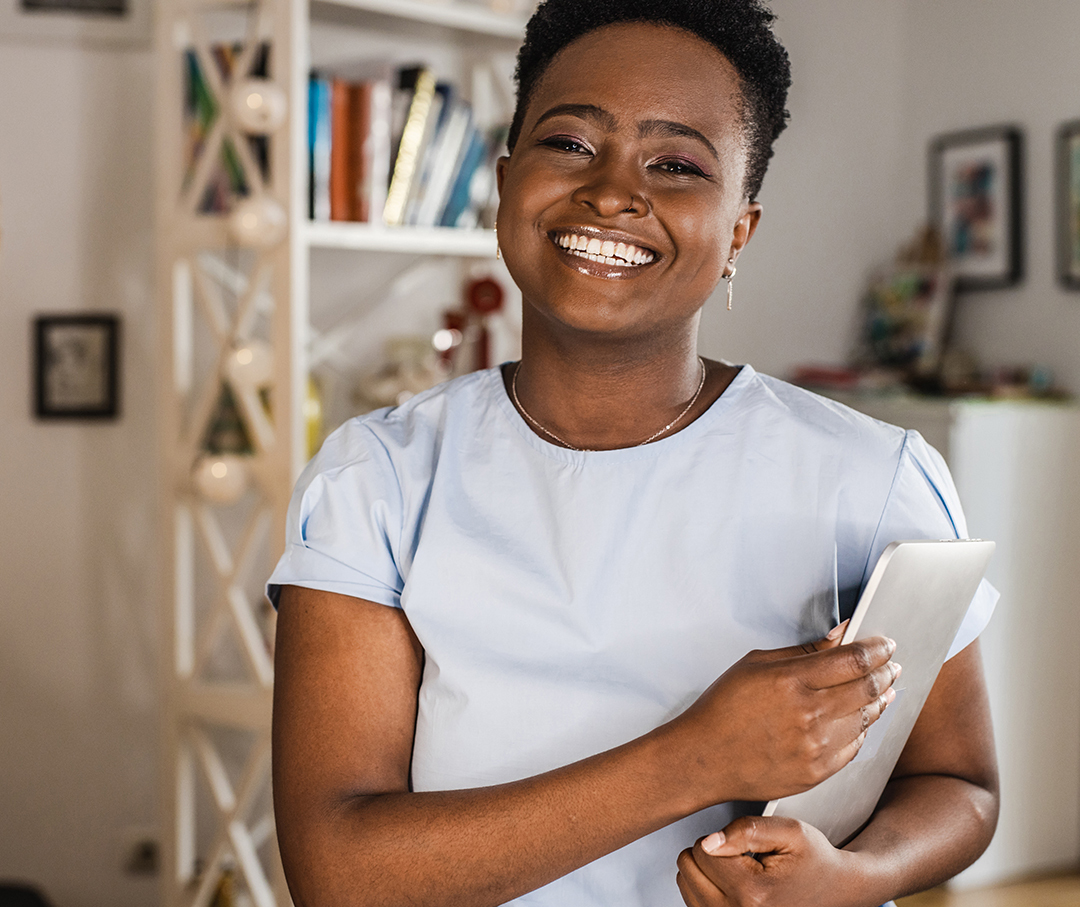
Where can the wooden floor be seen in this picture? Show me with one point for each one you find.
(1056, 892)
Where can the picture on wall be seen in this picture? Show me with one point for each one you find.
(76, 366)
(976, 202)
(1068, 204)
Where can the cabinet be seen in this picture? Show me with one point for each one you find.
(243, 287)
(1017, 468)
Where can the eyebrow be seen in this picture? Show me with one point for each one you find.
(606, 121)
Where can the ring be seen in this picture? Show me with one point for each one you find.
(865, 718)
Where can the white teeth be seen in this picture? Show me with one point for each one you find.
(605, 251)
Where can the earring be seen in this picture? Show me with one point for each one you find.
(729, 278)
(498, 248)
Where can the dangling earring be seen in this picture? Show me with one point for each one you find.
(729, 278)
(498, 248)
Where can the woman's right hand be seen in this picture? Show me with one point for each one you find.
(779, 721)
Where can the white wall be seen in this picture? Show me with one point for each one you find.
(830, 194)
(78, 681)
(982, 62)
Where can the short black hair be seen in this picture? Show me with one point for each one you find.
(740, 29)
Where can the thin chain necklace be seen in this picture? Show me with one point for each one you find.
(652, 437)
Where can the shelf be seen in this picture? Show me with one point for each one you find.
(466, 17)
(410, 240)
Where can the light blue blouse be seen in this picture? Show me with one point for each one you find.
(570, 601)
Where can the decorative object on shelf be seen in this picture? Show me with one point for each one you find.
(76, 366)
(976, 204)
(907, 309)
(1068, 204)
(226, 431)
(258, 222)
(250, 365)
(221, 478)
(412, 365)
(258, 105)
(313, 416)
(483, 298)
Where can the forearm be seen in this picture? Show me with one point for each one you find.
(926, 829)
(483, 846)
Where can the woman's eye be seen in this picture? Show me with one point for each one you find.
(679, 167)
(565, 143)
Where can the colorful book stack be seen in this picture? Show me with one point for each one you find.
(397, 149)
(226, 181)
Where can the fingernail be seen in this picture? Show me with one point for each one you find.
(713, 843)
(837, 631)
(890, 695)
(892, 644)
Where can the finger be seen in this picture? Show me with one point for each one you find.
(846, 663)
(696, 888)
(754, 834)
(830, 641)
(850, 697)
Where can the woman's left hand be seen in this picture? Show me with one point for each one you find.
(794, 865)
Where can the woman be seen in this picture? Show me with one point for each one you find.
(515, 612)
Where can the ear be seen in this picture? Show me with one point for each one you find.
(500, 172)
(745, 227)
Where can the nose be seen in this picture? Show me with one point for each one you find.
(610, 188)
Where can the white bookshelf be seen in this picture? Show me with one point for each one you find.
(217, 295)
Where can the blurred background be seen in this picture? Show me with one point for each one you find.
(81, 510)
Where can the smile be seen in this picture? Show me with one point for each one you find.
(604, 251)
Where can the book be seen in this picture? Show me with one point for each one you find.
(319, 137)
(227, 180)
(409, 148)
(458, 200)
(447, 154)
(342, 182)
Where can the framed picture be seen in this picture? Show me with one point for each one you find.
(76, 366)
(976, 203)
(120, 22)
(1068, 204)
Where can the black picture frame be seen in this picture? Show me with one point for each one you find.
(77, 366)
(976, 204)
(1067, 202)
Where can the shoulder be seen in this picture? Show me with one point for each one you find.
(800, 415)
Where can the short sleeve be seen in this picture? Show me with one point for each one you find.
(344, 522)
(923, 504)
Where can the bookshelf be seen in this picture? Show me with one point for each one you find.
(242, 291)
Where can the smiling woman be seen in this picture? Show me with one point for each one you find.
(544, 627)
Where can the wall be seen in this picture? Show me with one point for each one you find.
(78, 676)
(831, 193)
(1021, 68)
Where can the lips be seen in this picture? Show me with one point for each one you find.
(604, 251)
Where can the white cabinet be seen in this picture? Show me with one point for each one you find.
(243, 286)
(1017, 468)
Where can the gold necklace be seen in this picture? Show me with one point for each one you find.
(551, 434)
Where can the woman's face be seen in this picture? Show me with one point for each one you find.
(623, 198)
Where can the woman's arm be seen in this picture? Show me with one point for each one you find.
(936, 816)
(351, 832)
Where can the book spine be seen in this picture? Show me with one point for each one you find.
(341, 154)
(360, 150)
(409, 150)
(319, 146)
(378, 149)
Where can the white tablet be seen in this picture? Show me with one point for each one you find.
(917, 595)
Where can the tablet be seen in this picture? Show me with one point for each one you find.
(917, 595)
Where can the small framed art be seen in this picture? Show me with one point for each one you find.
(109, 22)
(1068, 204)
(976, 201)
(76, 366)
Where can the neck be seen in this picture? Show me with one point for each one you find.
(603, 396)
